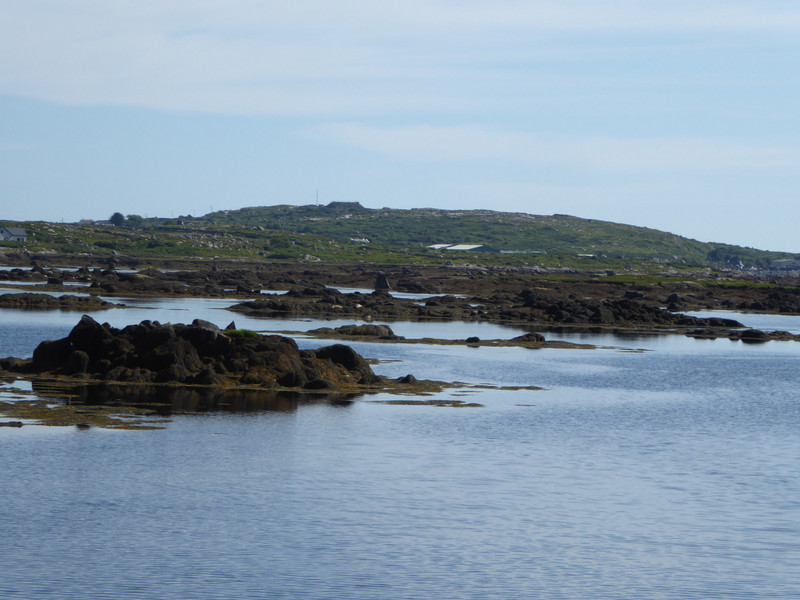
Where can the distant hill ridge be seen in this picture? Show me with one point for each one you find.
(347, 232)
(502, 231)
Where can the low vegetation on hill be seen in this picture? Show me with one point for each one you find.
(348, 232)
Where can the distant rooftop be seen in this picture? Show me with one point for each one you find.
(464, 247)
(461, 247)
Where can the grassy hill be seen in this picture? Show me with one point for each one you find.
(348, 232)
(560, 235)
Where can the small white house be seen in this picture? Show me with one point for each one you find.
(13, 234)
(465, 247)
(462, 247)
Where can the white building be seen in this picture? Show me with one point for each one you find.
(13, 234)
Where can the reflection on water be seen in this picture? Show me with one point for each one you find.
(11, 290)
(171, 400)
(766, 322)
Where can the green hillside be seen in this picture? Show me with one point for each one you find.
(504, 232)
(348, 232)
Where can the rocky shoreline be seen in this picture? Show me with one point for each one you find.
(541, 302)
(236, 279)
(201, 359)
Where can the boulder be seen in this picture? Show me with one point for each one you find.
(368, 330)
(206, 325)
(88, 334)
(350, 360)
(381, 282)
(529, 338)
(50, 355)
(754, 336)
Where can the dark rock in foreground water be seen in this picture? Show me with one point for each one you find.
(199, 354)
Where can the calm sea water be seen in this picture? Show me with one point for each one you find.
(662, 467)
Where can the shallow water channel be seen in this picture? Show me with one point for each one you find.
(653, 467)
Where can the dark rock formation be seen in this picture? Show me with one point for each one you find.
(345, 356)
(754, 336)
(29, 301)
(200, 353)
(748, 336)
(525, 307)
(529, 338)
(35, 274)
(381, 282)
(383, 332)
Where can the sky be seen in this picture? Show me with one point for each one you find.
(680, 116)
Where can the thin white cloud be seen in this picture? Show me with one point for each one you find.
(259, 56)
(430, 143)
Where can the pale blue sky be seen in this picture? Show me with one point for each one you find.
(681, 116)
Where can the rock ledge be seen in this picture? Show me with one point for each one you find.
(196, 354)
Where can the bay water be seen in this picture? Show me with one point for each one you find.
(653, 467)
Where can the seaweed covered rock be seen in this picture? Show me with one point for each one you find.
(33, 301)
(529, 338)
(348, 358)
(383, 332)
(199, 353)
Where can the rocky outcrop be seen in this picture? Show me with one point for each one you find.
(530, 338)
(527, 307)
(489, 294)
(381, 282)
(199, 354)
(29, 301)
(382, 332)
(26, 275)
(748, 336)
